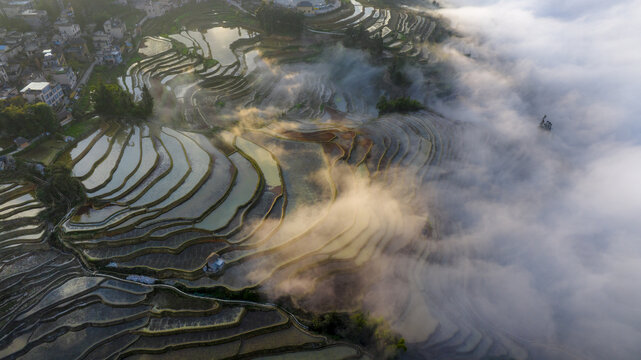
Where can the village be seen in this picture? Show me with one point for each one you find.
(48, 53)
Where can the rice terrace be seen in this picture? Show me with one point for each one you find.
(247, 179)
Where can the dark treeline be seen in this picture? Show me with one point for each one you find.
(276, 19)
(95, 11)
(358, 37)
(18, 118)
(401, 105)
(59, 192)
(370, 333)
(56, 188)
(112, 100)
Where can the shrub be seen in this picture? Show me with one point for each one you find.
(280, 20)
(111, 99)
(370, 333)
(17, 118)
(60, 192)
(402, 105)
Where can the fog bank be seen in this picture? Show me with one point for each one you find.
(542, 239)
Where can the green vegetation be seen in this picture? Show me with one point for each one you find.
(224, 293)
(210, 63)
(401, 105)
(358, 37)
(14, 24)
(372, 334)
(50, 6)
(112, 100)
(79, 128)
(46, 151)
(18, 118)
(99, 11)
(60, 192)
(396, 73)
(55, 188)
(280, 20)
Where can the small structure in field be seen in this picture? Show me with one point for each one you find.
(214, 264)
(305, 7)
(7, 163)
(21, 142)
(545, 124)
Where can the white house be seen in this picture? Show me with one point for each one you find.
(65, 76)
(156, 8)
(67, 29)
(51, 59)
(116, 28)
(101, 40)
(50, 94)
(109, 56)
(15, 8)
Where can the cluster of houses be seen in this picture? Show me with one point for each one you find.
(35, 63)
(36, 58)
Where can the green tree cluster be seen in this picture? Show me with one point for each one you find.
(276, 19)
(112, 100)
(96, 11)
(18, 118)
(401, 105)
(396, 73)
(358, 37)
(60, 192)
(370, 333)
(50, 6)
(15, 23)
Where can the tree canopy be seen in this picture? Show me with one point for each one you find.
(276, 19)
(402, 105)
(18, 118)
(358, 37)
(112, 100)
(370, 333)
(60, 192)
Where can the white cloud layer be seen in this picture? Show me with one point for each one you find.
(547, 245)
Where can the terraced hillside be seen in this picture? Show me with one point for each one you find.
(51, 307)
(315, 205)
(208, 67)
(403, 31)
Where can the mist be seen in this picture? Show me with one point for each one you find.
(538, 247)
(541, 239)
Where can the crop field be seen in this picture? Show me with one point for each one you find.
(49, 301)
(278, 210)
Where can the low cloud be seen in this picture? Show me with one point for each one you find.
(541, 244)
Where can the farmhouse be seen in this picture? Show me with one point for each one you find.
(50, 94)
(305, 7)
(21, 142)
(7, 163)
(115, 28)
(214, 264)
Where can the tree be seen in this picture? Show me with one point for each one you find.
(112, 100)
(371, 333)
(359, 37)
(402, 105)
(50, 6)
(17, 118)
(146, 105)
(280, 20)
(60, 192)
